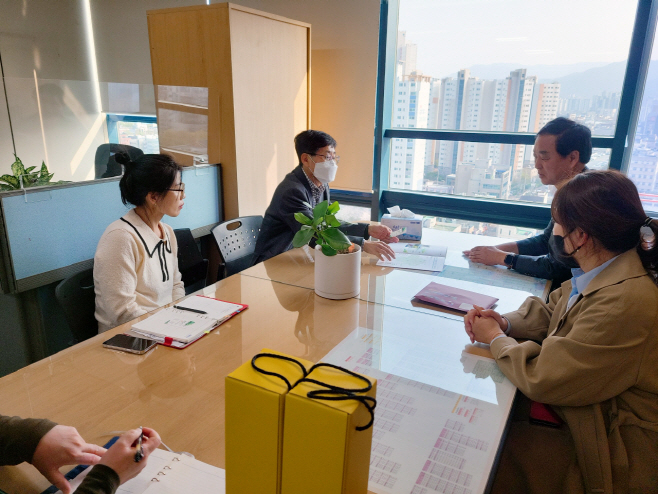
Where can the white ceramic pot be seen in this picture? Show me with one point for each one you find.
(338, 277)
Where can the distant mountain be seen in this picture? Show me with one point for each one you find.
(574, 81)
(502, 70)
(586, 83)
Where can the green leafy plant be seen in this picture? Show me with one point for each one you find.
(29, 177)
(323, 227)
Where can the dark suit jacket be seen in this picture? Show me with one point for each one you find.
(536, 258)
(279, 224)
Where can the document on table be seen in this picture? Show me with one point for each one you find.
(417, 256)
(427, 438)
(169, 473)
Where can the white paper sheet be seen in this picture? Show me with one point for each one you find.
(415, 261)
(217, 309)
(422, 249)
(428, 439)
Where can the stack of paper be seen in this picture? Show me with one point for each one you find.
(177, 327)
(417, 256)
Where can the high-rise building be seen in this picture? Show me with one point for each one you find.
(480, 178)
(410, 110)
(407, 53)
(517, 118)
(451, 105)
(545, 103)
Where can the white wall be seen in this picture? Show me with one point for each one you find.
(344, 38)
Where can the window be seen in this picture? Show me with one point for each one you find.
(137, 131)
(479, 104)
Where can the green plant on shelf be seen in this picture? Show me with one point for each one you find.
(26, 177)
(323, 227)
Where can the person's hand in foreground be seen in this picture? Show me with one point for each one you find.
(62, 445)
(379, 249)
(485, 254)
(121, 456)
(382, 233)
(484, 325)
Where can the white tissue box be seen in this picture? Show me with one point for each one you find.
(413, 225)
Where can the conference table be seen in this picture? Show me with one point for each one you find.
(425, 365)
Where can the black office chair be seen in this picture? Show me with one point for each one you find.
(105, 164)
(76, 296)
(236, 240)
(191, 264)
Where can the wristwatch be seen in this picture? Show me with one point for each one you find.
(510, 261)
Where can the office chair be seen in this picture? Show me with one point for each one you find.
(105, 164)
(76, 296)
(236, 240)
(191, 264)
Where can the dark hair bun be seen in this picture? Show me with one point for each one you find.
(122, 158)
(148, 173)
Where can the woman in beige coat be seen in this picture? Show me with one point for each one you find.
(591, 351)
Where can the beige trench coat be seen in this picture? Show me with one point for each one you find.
(598, 366)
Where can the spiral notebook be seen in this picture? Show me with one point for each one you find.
(169, 473)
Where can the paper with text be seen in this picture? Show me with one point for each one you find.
(426, 438)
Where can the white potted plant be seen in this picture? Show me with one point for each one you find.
(337, 259)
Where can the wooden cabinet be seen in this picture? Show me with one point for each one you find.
(255, 70)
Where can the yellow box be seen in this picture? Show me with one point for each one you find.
(254, 424)
(323, 453)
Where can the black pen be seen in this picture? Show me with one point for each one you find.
(191, 310)
(139, 454)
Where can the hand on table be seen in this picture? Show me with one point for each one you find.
(379, 249)
(382, 233)
(485, 254)
(484, 325)
(62, 445)
(121, 456)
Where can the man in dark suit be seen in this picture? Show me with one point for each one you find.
(562, 149)
(307, 185)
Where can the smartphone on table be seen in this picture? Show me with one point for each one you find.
(130, 344)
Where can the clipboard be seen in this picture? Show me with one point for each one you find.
(173, 342)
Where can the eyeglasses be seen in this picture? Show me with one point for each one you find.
(328, 157)
(181, 189)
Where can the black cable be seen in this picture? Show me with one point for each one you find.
(4, 86)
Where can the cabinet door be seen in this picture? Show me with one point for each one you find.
(270, 66)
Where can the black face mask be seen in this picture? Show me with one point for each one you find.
(556, 245)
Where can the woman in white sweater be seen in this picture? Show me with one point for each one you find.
(136, 261)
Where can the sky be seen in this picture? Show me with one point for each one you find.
(456, 34)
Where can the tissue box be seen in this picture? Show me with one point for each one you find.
(429, 221)
(254, 424)
(323, 453)
(413, 225)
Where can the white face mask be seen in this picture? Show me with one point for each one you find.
(325, 171)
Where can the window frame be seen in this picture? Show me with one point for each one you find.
(491, 210)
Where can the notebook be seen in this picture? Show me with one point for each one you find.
(454, 298)
(179, 328)
(417, 256)
(167, 472)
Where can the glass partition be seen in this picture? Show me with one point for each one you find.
(76, 127)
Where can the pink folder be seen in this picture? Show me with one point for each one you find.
(454, 298)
